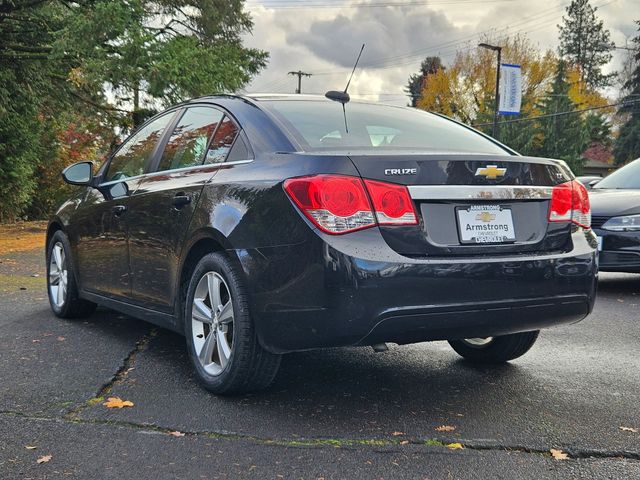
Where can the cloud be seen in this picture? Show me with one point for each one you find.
(387, 32)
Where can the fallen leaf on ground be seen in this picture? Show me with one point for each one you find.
(445, 428)
(629, 429)
(455, 446)
(117, 402)
(558, 454)
(176, 434)
(44, 459)
(30, 447)
(397, 434)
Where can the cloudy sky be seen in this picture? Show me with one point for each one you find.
(323, 37)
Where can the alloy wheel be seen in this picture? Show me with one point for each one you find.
(212, 323)
(479, 342)
(58, 275)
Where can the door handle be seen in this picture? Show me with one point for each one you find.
(119, 210)
(180, 200)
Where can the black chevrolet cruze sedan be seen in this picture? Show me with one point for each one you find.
(616, 219)
(262, 225)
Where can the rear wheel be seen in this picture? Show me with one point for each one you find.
(221, 339)
(495, 349)
(61, 282)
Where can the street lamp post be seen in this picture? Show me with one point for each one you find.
(498, 49)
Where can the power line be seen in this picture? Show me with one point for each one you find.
(558, 114)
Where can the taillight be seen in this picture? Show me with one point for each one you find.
(392, 203)
(334, 203)
(340, 204)
(570, 203)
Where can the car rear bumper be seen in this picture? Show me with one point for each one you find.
(620, 251)
(355, 290)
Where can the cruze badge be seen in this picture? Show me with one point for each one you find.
(491, 172)
(400, 171)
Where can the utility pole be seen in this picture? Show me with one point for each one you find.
(300, 74)
(497, 104)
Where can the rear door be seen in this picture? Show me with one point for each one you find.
(472, 204)
(160, 212)
(102, 249)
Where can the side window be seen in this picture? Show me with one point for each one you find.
(188, 143)
(222, 141)
(239, 151)
(131, 158)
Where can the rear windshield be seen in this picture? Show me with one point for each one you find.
(627, 177)
(322, 125)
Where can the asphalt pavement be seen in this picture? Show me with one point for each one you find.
(342, 413)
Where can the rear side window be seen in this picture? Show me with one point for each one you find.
(323, 125)
(222, 141)
(131, 158)
(188, 143)
(239, 151)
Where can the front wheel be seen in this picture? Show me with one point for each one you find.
(495, 349)
(62, 286)
(221, 339)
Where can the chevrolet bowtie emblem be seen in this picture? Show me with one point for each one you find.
(485, 217)
(491, 172)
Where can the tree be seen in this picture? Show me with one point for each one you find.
(562, 136)
(19, 148)
(429, 66)
(466, 89)
(61, 63)
(627, 145)
(162, 50)
(598, 129)
(585, 43)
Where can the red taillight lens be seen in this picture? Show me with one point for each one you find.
(561, 201)
(339, 204)
(334, 203)
(581, 205)
(570, 202)
(392, 203)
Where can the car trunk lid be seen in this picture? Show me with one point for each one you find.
(472, 204)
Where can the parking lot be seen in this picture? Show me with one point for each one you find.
(345, 413)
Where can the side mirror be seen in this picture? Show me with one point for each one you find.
(593, 183)
(80, 173)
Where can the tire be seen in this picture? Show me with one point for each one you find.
(495, 349)
(221, 341)
(62, 286)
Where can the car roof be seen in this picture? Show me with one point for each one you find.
(256, 98)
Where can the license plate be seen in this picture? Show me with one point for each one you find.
(599, 239)
(486, 224)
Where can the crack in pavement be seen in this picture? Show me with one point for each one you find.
(574, 453)
(118, 376)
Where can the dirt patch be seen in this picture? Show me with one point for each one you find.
(22, 237)
(17, 283)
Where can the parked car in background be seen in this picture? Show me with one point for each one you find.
(615, 204)
(262, 225)
(589, 180)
